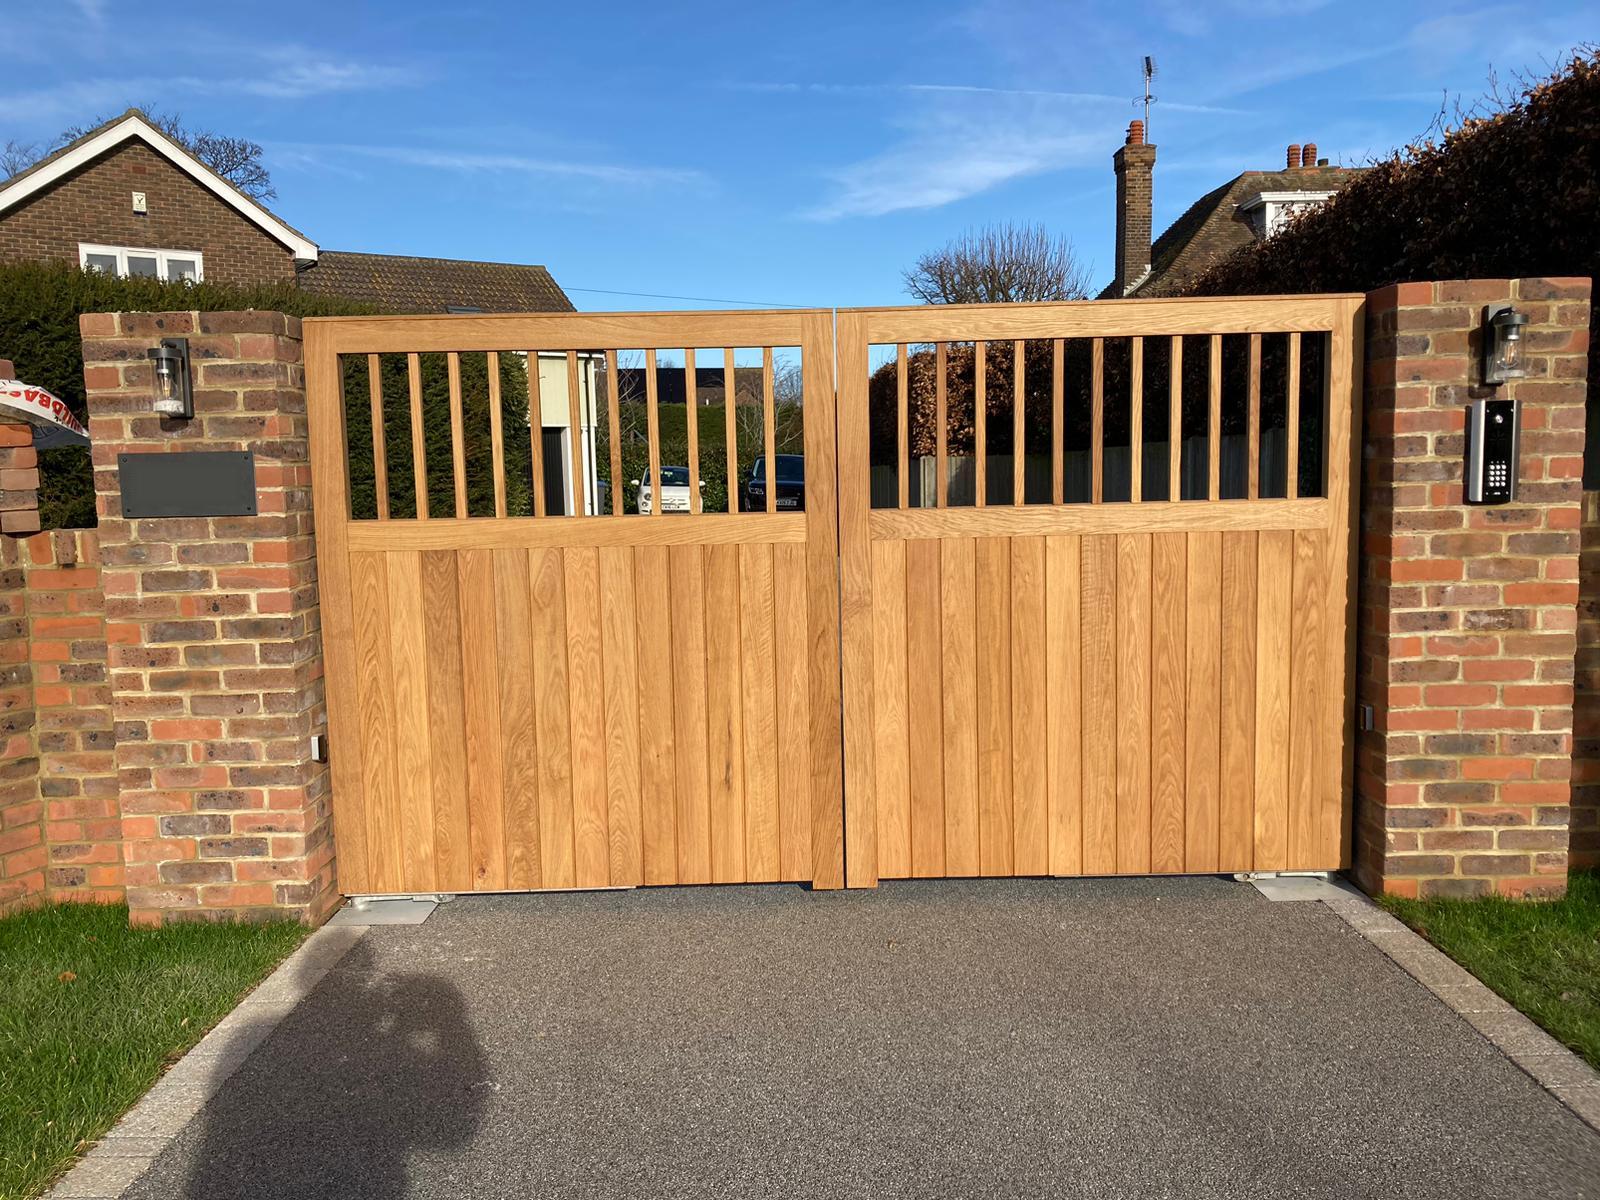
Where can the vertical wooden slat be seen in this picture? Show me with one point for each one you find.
(958, 666)
(591, 835)
(497, 435)
(1019, 417)
(1063, 648)
(941, 424)
(1253, 436)
(980, 423)
(792, 648)
(536, 433)
(550, 687)
(412, 653)
(513, 671)
(458, 449)
(902, 426)
(1136, 423)
(1030, 771)
(996, 819)
(1175, 420)
(890, 724)
(467, 704)
(620, 656)
(1309, 688)
(1168, 638)
(724, 714)
(1341, 391)
(1214, 419)
(1098, 674)
(1203, 701)
(769, 428)
(853, 470)
(759, 718)
(1133, 703)
(1291, 433)
(580, 499)
(1236, 800)
(658, 768)
(374, 809)
(380, 460)
(730, 425)
(1097, 421)
(614, 422)
(419, 443)
(691, 427)
(653, 430)
(1274, 597)
(686, 571)
(1058, 390)
(925, 710)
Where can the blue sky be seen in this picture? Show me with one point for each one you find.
(768, 152)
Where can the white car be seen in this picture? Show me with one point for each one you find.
(674, 490)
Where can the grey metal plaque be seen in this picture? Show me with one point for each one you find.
(189, 483)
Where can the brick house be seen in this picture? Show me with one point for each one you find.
(1248, 208)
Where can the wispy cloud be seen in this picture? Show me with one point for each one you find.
(966, 89)
(296, 75)
(471, 163)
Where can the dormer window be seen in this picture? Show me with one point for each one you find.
(173, 265)
(1268, 211)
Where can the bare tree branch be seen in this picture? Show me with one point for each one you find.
(1000, 264)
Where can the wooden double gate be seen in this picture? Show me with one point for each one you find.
(1066, 590)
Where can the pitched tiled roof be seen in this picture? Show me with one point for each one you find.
(398, 283)
(1213, 227)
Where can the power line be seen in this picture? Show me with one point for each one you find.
(696, 299)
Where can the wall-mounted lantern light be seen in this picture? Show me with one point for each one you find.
(1503, 351)
(172, 389)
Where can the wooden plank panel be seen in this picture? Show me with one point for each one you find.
(759, 718)
(557, 865)
(1008, 521)
(1029, 708)
(513, 672)
(447, 533)
(1274, 597)
(411, 655)
(1253, 436)
(1236, 799)
(890, 724)
(1063, 643)
(419, 443)
(497, 434)
(1057, 407)
(1133, 703)
(591, 835)
(468, 706)
(1098, 601)
(855, 603)
(925, 710)
(458, 452)
(378, 803)
(614, 424)
(686, 570)
(1309, 689)
(794, 710)
(658, 767)
(902, 427)
(980, 424)
(575, 437)
(941, 418)
(380, 460)
(1168, 641)
(724, 714)
(959, 681)
(620, 655)
(992, 595)
(730, 426)
(652, 420)
(1136, 423)
(1019, 415)
(1203, 730)
(1097, 421)
(658, 330)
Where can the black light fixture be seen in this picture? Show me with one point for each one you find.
(1503, 357)
(172, 388)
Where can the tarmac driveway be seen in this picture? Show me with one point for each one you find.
(1104, 1038)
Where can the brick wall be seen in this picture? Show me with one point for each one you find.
(215, 660)
(1467, 620)
(22, 849)
(95, 204)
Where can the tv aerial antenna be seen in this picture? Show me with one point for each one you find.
(1149, 98)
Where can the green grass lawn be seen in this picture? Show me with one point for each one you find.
(92, 1011)
(1541, 956)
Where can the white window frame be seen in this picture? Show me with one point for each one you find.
(85, 249)
(1270, 210)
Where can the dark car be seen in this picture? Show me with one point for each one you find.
(790, 490)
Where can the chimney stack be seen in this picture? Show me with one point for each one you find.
(1309, 155)
(1134, 163)
(1293, 156)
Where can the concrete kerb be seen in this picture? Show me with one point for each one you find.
(124, 1154)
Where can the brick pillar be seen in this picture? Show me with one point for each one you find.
(212, 623)
(1467, 614)
(22, 848)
